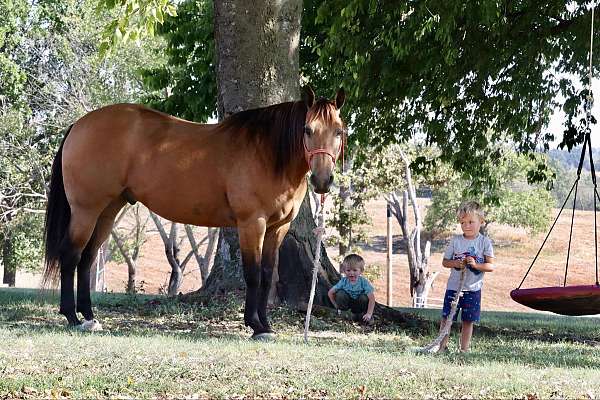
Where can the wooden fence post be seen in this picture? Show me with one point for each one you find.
(389, 257)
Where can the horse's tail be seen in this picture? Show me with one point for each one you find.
(58, 216)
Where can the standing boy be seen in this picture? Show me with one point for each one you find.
(472, 251)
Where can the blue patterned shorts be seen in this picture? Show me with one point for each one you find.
(469, 303)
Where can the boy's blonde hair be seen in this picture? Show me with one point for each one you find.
(471, 207)
(353, 260)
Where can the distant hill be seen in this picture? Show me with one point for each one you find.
(570, 159)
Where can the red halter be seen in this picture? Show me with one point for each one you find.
(309, 154)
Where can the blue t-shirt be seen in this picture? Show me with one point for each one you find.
(362, 286)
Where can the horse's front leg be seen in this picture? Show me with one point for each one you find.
(270, 258)
(252, 234)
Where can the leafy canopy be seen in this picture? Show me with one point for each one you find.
(460, 75)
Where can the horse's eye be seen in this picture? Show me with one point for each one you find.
(339, 132)
(307, 131)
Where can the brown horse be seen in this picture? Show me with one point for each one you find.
(248, 171)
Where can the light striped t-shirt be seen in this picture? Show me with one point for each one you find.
(458, 249)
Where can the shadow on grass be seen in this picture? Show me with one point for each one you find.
(505, 337)
(25, 311)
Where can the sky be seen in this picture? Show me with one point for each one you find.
(555, 125)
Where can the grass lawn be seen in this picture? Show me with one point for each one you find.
(167, 349)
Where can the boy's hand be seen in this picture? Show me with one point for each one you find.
(472, 265)
(460, 264)
(367, 317)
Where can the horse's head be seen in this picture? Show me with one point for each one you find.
(324, 137)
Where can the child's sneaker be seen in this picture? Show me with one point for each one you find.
(346, 314)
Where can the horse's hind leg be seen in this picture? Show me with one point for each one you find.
(273, 239)
(80, 230)
(101, 232)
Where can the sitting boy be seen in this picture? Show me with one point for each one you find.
(354, 291)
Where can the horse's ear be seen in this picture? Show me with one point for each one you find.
(308, 96)
(340, 98)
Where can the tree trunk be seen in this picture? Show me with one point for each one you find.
(129, 260)
(10, 270)
(296, 256)
(345, 229)
(421, 279)
(98, 284)
(172, 253)
(258, 65)
(257, 44)
(204, 262)
(175, 279)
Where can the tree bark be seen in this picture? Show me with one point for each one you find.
(10, 270)
(421, 279)
(172, 253)
(296, 256)
(129, 260)
(257, 50)
(204, 262)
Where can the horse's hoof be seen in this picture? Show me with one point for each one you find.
(90, 326)
(264, 336)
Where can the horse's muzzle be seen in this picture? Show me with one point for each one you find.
(321, 185)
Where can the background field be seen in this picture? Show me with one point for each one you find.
(514, 248)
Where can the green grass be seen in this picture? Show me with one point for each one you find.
(165, 349)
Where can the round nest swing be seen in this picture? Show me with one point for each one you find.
(564, 300)
(569, 300)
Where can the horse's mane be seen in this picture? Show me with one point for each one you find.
(280, 127)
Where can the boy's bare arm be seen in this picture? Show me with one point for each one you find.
(453, 263)
(370, 307)
(487, 266)
(331, 295)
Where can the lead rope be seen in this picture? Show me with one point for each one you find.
(434, 346)
(316, 265)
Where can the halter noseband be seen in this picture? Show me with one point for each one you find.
(309, 154)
